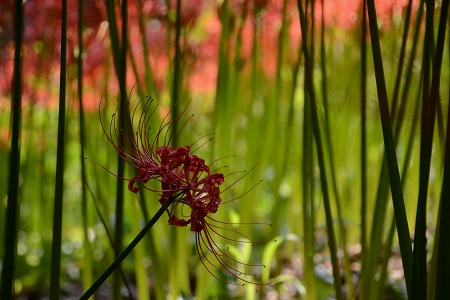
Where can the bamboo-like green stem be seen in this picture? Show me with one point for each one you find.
(12, 205)
(147, 67)
(429, 103)
(119, 57)
(394, 175)
(406, 164)
(60, 152)
(363, 237)
(443, 266)
(176, 82)
(87, 266)
(401, 58)
(329, 143)
(307, 197)
(381, 199)
(419, 273)
(124, 123)
(320, 155)
(125, 252)
(222, 81)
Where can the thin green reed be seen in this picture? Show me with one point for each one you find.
(419, 290)
(255, 53)
(308, 200)
(442, 274)
(401, 59)
(119, 58)
(176, 81)
(419, 273)
(273, 130)
(320, 155)
(178, 263)
(363, 112)
(307, 165)
(12, 205)
(429, 103)
(134, 67)
(87, 275)
(391, 157)
(406, 166)
(308, 192)
(383, 185)
(329, 144)
(149, 83)
(399, 117)
(55, 274)
(222, 83)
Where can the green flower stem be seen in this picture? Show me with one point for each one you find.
(125, 252)
(12, 205)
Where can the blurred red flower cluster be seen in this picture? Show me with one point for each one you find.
(200, 39)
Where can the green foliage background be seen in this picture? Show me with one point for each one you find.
(325, 190)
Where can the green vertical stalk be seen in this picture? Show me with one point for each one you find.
(363, 237)
(254, 52)
(138, 84)
(147, 68)
(178, 269)
(59, 179)
(442, 242)
(406, 163)
(87, 263)
(383, 185)
(222, 83)
(399, 117)
(308, 188)
(429, 102)
(273, 128)
(169, 38)
(320, 155)
(419, 274)
(124, 123)
(119, 57)
(176, 82)
(329, 143)
(12, 205)
(394, 175)
(401, 59)
(308, 200)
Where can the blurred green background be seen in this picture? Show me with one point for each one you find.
(239, 67)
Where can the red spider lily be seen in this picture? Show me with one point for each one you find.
(185, 179)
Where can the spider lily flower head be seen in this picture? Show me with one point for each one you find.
(148, 156)
(186, 179)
